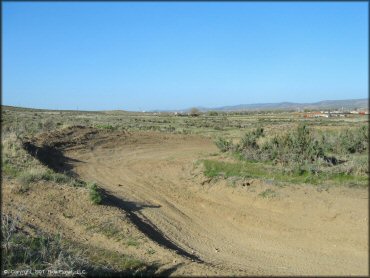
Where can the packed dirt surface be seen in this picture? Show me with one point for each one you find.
(210, 227)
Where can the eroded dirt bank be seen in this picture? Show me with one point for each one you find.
(212, 227)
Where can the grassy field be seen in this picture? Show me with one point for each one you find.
(18, 123)
(230, 125)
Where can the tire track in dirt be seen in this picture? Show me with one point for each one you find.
(166, 221)
(230, 228)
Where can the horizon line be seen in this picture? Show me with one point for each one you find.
(185, 109)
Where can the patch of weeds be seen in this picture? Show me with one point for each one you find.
(238, 156)
(132, 242)
(217, 168)
(79, 183)
(110, 230)
(61, 178)
(106, 126)
(116, 261)
(9, 170)
(151, 251)
(268, 193)
(31, 176)
(223, 144)
(69, 216)
(21, 188)
(233, 180)
(321, 188)
(237, 169)
(23, 251)
(95, 194)
(248, 169)
(350, 180)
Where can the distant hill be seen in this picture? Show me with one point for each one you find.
(20, 109)
(347, 104)
(325, 104)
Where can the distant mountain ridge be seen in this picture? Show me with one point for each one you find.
(347, 104)
(320, 105)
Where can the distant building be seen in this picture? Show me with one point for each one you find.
(317, 114)
(364, 112)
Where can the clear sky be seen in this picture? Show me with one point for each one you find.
(157, 55)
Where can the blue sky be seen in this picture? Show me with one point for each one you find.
(143, 56)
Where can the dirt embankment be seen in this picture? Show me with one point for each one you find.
(212, 228)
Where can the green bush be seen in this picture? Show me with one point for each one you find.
(304, 146)
(223, 144)
(9, 170)
(212, 113)
(300, 155)
(194, 112)
(298, 146)
(32, 175)
(249, 141)
(36, 174)
(95, 194)
(354, 141)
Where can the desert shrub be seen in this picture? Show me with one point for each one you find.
(361, 164)
(328, 142)
(354, 141)
(36, 174)
(296, 147)
(304, 146)
(249, 146)
(9, 170)
(212, 113)
(249, 140)
(300, 155)
(223, 144)
(48, 125)
(95, 194)
(194, 112)
(32, 175)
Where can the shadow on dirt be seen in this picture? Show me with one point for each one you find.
(149, 271)
(51, 157)
(167, 272)
(143, 224)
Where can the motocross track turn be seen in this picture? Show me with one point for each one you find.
(157, 180)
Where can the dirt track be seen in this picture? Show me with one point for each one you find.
(302, 231)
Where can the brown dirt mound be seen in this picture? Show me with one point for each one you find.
(48, 147)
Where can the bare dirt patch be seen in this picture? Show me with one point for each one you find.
(210, 227)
